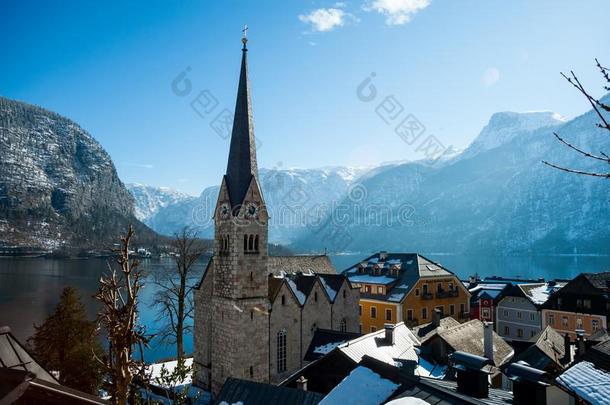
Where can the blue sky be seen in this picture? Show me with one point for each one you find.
(110, 66)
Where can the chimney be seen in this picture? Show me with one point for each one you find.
(383, 255)
(530, 385)
(472, 374)
(302, 383)
(567, 355)
(389, 333)
(436, 317)
(488, 340)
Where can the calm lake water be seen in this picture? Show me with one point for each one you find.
(30, 287)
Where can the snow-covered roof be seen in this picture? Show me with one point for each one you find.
(539, 293)
(588, 382)
(155, 370)
(374, 345)
(427, 369)
(362, 386)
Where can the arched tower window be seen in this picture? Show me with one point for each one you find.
(256, 243)
(245, 243)
(281, 351)
(251, 243)
(343, 325)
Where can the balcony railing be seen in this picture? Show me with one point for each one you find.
(447, 294)
(427, 296)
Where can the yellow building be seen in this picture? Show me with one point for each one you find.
(405, 287)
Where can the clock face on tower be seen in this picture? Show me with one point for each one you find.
(225, 210)
(252, 210)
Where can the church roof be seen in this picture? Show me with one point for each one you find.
(237, 391)
(14, 356)
(242, 166)
(319, 264)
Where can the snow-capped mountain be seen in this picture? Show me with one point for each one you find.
(495, 198)
(289, 193)
(149, 200)
(58, 187)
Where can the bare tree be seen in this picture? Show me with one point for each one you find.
(174, 300)
(118, 319)
(598, 107)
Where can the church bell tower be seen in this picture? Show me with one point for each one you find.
(240, 322)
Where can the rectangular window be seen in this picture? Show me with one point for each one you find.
(388, 314)
(409, 314)
(578, 323)
(532, 316)
(579, 303)
(551, 320)
(587, 304)
(360, 328)
(373, 329)
(379, 290)
(367, 288)
(519, 315)
(450, 287)
(559, 303)
(417, 292)
(439, 287)
(564, 321)
(532, 333)
(373, 312)
(462, 308)
(360, 310)
(506, 331)
(281, 351)
(519, 332)
(594, 324)
(424, 313)
(505, 313)
(485, 313)
(451, 309)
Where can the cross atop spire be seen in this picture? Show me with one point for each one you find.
(244, 39)
(242, 165)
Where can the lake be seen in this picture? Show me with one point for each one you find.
(30, 287)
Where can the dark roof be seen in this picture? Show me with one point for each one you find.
(241, 167)
(274, 286)
(14, 356)
(599, 355)
(495, 396)
(548, 347)
(600, 336)
(468, 337)
(319, 264)
(332, 284)
(18, 386)
(380, 268)
(599, 280)
(326, 340)
(252, 393)
(427, 330)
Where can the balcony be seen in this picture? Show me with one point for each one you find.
(447, 294)
(427, 296)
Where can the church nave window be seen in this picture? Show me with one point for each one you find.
(281, 351)
(343, 325)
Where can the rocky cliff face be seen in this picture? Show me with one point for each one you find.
(58, 187)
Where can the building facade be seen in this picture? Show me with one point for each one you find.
(518, 314)
(405, 287)
(581, 306)
(255, 315)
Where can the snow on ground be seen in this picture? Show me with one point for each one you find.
(155, 370)
(361, 387)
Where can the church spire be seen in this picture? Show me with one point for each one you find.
(242, 166)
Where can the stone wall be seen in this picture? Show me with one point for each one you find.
(288, 317)
(346, 307)
(316, 314)
(202, 336)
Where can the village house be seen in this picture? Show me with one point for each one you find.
(484, 296)
(518, 314)
(582, 304)
(255, 315)
(405, 287)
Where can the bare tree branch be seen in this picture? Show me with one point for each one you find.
(606, 175)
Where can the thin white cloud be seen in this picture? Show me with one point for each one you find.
(324, 19)
(139, 165)
(490, 76)
(397, 12)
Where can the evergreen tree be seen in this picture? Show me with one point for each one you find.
(66, 343)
